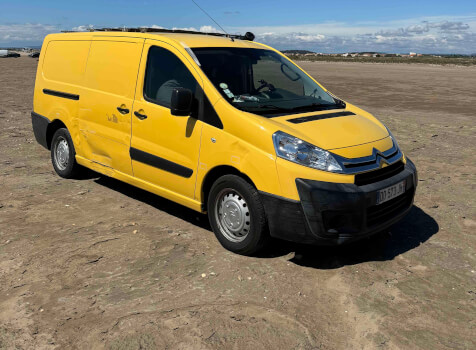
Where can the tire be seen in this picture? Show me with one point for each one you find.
(237, 215)
(63, 155)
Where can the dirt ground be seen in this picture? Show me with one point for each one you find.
(94, 263)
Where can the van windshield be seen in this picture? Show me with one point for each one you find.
(263, 82)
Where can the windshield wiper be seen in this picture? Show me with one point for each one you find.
(274, 107)
(263, 108)
(340, 103)
(313, 106)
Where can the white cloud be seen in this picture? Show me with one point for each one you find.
(82, 28)
(209, 29)
(430, 34)
(34, 33)
(310, 37)
(205, 29)
(28, 32)
(438, 34)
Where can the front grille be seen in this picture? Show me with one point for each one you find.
(379, 174)
(378, 214)
(369, 162)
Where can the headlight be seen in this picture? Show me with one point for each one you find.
(301, 152)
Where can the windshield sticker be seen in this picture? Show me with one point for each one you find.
(245, 98)
(249, 98)
(226, 91)
(240, 98)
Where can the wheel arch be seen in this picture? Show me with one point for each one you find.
(216, 173)
(52, 128)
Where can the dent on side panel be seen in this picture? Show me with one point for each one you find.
(220, 148)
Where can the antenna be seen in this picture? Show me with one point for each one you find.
(213, 20)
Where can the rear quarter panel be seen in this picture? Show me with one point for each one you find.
(61, 68)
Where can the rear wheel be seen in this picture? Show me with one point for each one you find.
(63, 154)
(237, 215)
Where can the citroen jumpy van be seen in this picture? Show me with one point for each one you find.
(224, 126)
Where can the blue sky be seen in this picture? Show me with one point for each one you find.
(323, 26)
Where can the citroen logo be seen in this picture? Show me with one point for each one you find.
(377, 153)
(377, 160)
(380, 158)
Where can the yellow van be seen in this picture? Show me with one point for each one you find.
(222, 125)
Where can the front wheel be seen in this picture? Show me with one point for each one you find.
(237, 215)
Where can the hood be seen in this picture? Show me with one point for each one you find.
(333, 129)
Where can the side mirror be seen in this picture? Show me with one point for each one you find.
(181, 102)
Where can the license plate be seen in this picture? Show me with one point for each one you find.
(390, 192)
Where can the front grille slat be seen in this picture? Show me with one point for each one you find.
(379, 174)
(377, 214)
(383, 211)
(369, 162)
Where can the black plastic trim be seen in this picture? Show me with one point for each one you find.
(61, 94)
(379, 174)
(319, 117)
(160, 163)
(40, 127)
(337, 213)
(285, 218)
(206, 112)
(275, 196)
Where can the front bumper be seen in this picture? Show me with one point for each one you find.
(336, 213)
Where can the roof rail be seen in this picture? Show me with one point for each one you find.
(248, 36)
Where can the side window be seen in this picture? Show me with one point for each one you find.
(165, 72)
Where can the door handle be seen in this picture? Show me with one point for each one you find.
(140, 115)
(123, 110)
